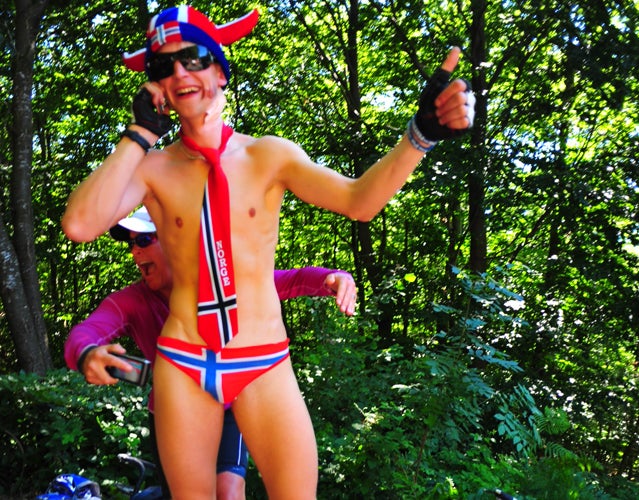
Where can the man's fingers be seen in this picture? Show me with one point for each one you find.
(347, 306)
(451, 60)
(157, 96)
(451, 98)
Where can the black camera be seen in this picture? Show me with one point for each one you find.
(138, 376)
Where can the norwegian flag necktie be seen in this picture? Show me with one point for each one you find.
(217, 302)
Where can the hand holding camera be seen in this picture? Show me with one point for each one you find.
(139, 375)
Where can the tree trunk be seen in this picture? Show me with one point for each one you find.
(476, 188)
(371, 260)
(20, 289)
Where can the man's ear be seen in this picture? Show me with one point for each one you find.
(221, 77)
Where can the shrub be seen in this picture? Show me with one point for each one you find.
(60, 424)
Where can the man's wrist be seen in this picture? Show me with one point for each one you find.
(138, 138)
(417, 139)
(83, 356)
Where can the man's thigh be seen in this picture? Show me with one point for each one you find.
(188, 425)
(274, 420)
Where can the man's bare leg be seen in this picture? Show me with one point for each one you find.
(230, 486)
(189, 426)
(278, 431)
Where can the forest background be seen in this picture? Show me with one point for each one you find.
(495, 344)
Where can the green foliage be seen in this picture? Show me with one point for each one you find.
(61, 424)
(562, 478)
(437, 422)
(524, 435)
(447, 385)
(390, 423)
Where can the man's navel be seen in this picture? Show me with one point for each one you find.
(179, 222)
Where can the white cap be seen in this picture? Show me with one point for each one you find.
(139, 222)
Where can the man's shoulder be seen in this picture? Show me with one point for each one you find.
(160, 158)
(273, 140)
(136, 300)
(134, 292)
(273, 147)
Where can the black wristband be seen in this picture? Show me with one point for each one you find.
(83, 356)
(137, 138)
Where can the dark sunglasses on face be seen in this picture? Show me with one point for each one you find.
(142, 240)
(193, 58)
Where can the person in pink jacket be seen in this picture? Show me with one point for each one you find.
(139, 312)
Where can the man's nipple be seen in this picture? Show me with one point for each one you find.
(251, 212)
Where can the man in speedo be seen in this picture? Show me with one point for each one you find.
(139, 311)
(225, 310)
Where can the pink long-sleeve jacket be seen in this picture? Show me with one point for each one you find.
(138, 312)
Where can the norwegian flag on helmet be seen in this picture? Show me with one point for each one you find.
(187, 24)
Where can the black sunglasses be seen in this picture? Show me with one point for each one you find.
(193, 58)
(142, 240)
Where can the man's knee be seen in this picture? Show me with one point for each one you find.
(230, 486)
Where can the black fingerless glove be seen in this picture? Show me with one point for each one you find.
(145, 115)
(425, 119)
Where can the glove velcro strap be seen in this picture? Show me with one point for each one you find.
(137, 138)
(417, 139)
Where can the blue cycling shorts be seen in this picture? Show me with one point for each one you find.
(233, 454)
